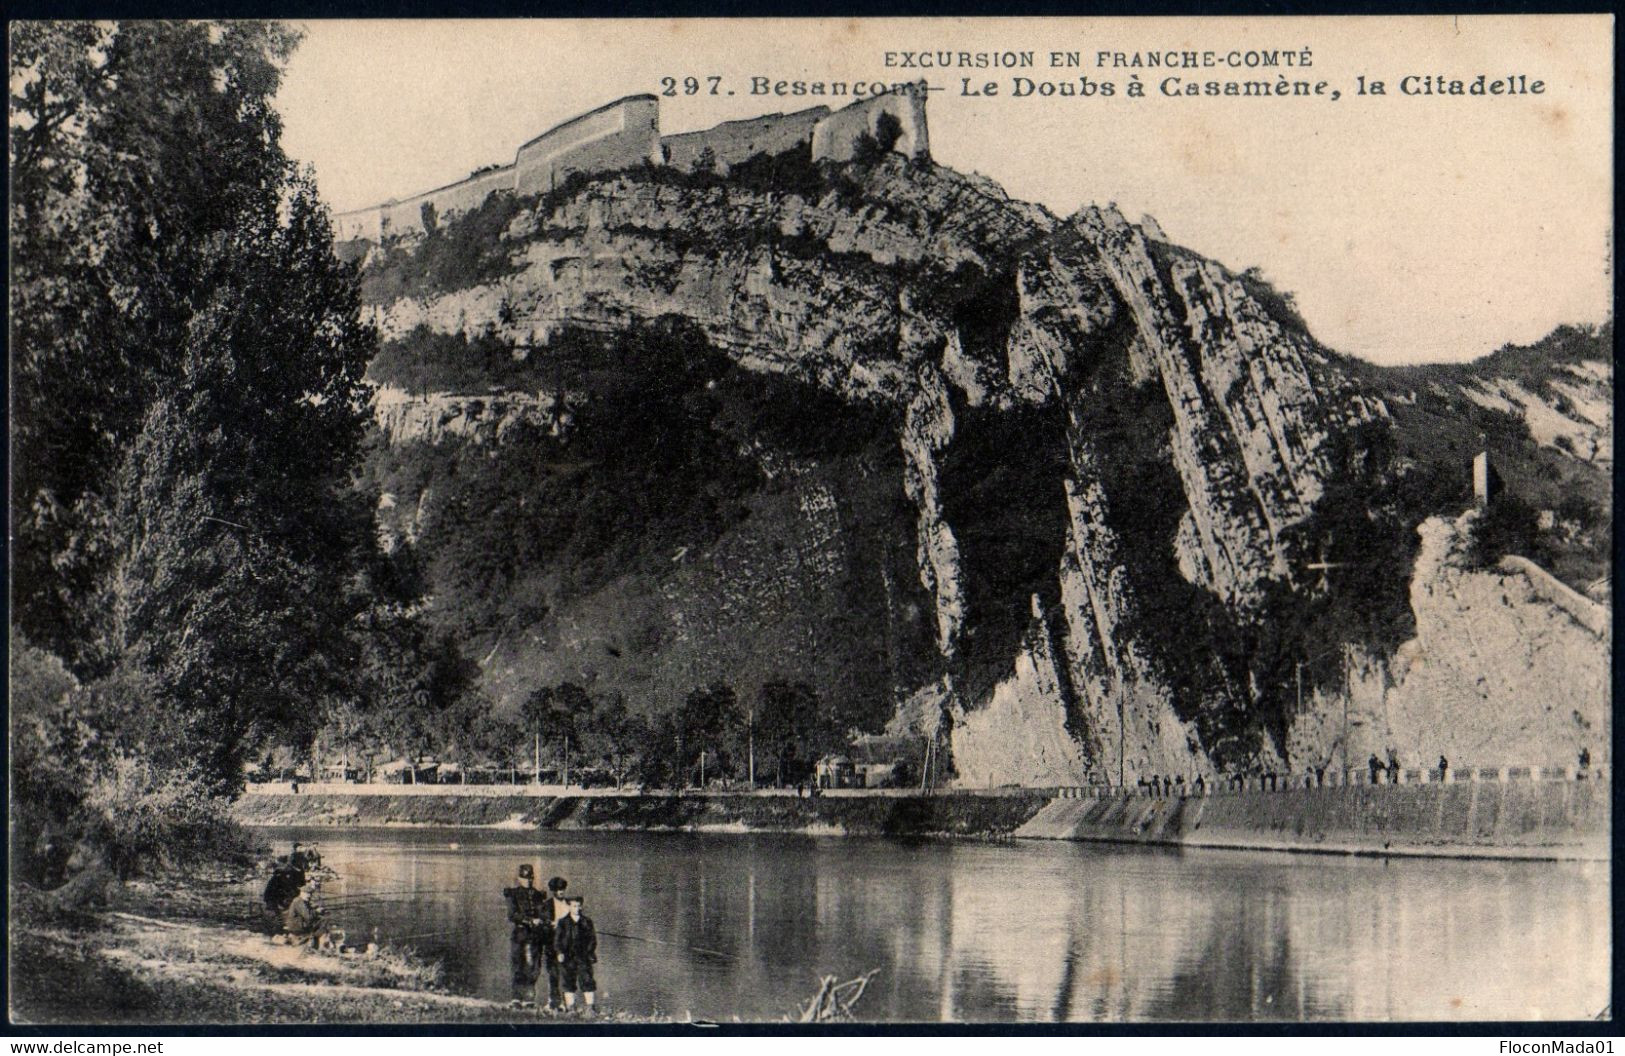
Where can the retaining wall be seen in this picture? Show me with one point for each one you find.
(1512, 818)
(1586, 613)
(1516, 818)
(888, 815)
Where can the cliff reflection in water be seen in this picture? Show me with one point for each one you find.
(720, 926)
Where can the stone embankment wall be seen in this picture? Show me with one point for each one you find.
(625, 134)
(1515, 818)
(1523, 819)
(834, 815)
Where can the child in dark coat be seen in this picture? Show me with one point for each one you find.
(577, 945)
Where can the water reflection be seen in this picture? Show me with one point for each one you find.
(724, 926)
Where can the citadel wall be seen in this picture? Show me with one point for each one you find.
(621, 135)
(625, 134)
(399, 218)
(735, 141)
(837, 136)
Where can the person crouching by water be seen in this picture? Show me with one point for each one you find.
(532, 920)
(287, 880)
(577, 943)
(304, 922)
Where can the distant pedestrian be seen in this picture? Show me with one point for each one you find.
(1444, 768)
(1201, 785)
(577, 945)
(1585, 758)
(1320, 777)
(1393, 767)
(1375, 765)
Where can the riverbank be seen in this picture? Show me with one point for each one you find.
(192, 950)
(831, 815)
(1546, 819)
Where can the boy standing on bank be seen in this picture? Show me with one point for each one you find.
(577, 944)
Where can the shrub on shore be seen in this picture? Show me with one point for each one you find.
(145, 819)
(79, 786)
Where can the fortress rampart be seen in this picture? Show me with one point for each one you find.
(618, 136)
(732, 142)
(626, 133)
(838, 136)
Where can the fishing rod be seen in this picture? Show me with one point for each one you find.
(423, 934)
(663, 942)
(395, 891)
(388, 896)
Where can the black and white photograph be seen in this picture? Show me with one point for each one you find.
(589, 525)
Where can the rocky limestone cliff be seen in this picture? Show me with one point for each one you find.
(469, 417)
(1095, 435)
(1508, 667)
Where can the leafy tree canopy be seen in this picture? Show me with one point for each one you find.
(187, 367)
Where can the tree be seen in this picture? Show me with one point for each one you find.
(613, 734)
(501, 739)
(707, 715)
(134, 147)
(787, 724)
(40, 683)
(556, 714)
(187, 358)
(659, 763)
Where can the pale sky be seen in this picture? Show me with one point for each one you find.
(1410, 228)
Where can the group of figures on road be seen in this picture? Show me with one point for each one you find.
(551, 936)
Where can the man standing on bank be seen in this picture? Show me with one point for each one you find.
(577, 943)
(532, 920)
(554, 904)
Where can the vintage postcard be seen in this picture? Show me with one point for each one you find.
(947, 521)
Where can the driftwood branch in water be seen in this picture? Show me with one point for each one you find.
(835, 1000)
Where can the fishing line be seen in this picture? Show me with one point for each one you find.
(663, 942)
(391, 896)
(421, 935)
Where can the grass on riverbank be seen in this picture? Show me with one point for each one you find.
(193, 951)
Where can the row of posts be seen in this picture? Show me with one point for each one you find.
(1336, 779)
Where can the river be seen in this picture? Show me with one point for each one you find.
(724, 926)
